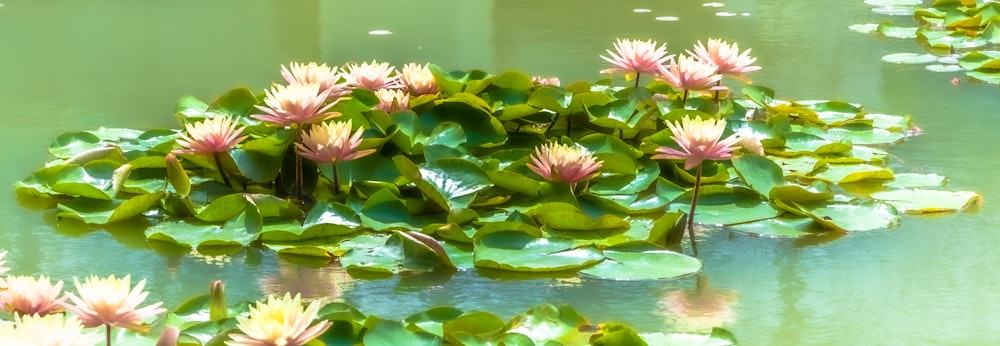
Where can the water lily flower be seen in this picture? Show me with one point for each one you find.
(699, 140)
(111, 302)
(372, 76)
(559, 162)
(279, 321)
(418, 79)
(210, 136)
(332, 142)
(26, 295)
(727, 57)
(3, 262)
(296, 104)
(553, 81)
(392, 100)
(636, 57)
(690, 74)
(751, 145)
(48, 330)
(311, 73)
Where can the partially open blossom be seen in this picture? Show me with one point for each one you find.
(751, 145)
(311, 73)
(295, 104)
(111, 301)
(635, 56)
(727, 57)
(372, 76)
(699, 140)
(331, 142)
(27, 295)
(48, 330)
(169, 336)
(553, 81)
(559, 162)
(418, 79)
(392, 100)
(212, 135)
(279, 321)
(690, 74)
(3, 262)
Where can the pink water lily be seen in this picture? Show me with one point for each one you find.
(372, 76)
(279, 321)
(690, 74)
(699, 140)
(327, 77)
(635, 57)
(727, 57)
(296, 104)
(27, 295)
(332, 142)
(417, 79)
(392, 100)
(212, 135)
(111, 302)
(560, 162)
(53, 329)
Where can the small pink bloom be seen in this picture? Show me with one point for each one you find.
(296, 104)
(690, 74)
(418, 80)
(331, 142)
(558, 162)
(29, 296)
(635, 56)
(700, 140)
(212, 135)
(392, 100)
(372, 76)
(727, 57)
(327, 78)
(553, 81)
(112, 302)
(956, 81)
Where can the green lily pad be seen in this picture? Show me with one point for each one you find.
(852, 173)
(432, 320)
(546, 323)
(858, 217)
(193, 234)
(928, 201)
(517, 251)
(718, 205)
(72, 143)
(782, 228)
(98, 212)
(914, 180)
(909, 58)
(385, 332)
(626, 263)
(759, 173)
(93, 180)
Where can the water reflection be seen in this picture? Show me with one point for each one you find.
(327, 283)
(700, 308)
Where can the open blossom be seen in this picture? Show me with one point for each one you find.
(48, 330)
(213, 135)
(559, 162)
(727, 57)
(392, 100)
(27, 295)
(699, 140)
(279, 321)
(418, 79)
(372, 76)
(635, 56)
(331, 142)
(690, 74)
(295, 104)
(553, 81)
(311, 73)
(111, 301)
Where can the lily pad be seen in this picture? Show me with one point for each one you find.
(626, 263)
(517, 251)
(909, 58)
(782, 228)
(914, 180)
(929, 201)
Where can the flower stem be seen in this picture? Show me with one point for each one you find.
(685, 99)
(108, 333)
(719, 83)
(218, 165)
(298, 165)
(637, 80)
(336, 180)
(694, 203)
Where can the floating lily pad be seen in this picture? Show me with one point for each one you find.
(547, 323)
(719, 205)
(909, 58)
(943, 68)
(928, 201)
(782, 228)
(627, 264)
(858, 217)
(852, 173)
(517, 251)
(913, 180)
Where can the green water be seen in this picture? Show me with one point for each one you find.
(70, 65)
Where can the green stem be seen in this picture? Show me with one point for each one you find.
(336, 180)
(218, 165)
(298, 165)
(694, 203)
(685, 99)
(719, 83)
(637, 80)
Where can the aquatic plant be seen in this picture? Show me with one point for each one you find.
(635, 57)
(418, 79)
(372, 76)
(211, 137)
(279, 321)
(53, 329)
(111, 302)
(27, 295)
(564, 163)
(332, 142)
(689, 74)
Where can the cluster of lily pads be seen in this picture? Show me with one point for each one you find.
(449, 185)
(962, 35)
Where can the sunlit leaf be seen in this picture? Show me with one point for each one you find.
(517, 251)
(627, 263)
(928, 201)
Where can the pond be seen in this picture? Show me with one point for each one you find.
(70, 65)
